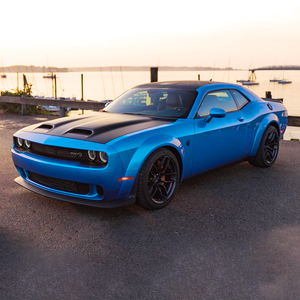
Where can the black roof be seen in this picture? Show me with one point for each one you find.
(190, 85)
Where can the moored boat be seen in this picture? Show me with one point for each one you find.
(284, 81)
(49, 76)
(251, 79)
(248, 82)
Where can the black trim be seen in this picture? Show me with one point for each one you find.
(60, 184)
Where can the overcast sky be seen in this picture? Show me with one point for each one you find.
(239, 34)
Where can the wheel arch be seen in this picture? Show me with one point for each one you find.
(154, 143)
(269, 120)
(178, 157)
(276, 126)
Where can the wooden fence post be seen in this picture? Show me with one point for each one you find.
(153, 74)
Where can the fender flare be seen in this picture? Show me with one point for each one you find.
(149, 146)
(265, 123)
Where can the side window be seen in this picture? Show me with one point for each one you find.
(217, 99)
(240, 99)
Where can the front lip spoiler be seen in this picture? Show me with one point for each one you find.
(95, 203)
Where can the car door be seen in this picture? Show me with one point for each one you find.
(221, 140)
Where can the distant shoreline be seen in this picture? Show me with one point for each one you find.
(43, 69)
(36, 69)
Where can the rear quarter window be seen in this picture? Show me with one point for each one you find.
(240, 99)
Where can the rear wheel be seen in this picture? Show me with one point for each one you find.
(158, 179)
(268, 149)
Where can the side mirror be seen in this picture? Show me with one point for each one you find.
(215, 113)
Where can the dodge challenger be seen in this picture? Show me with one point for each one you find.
(148, 140)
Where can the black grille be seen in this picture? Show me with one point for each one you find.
(60, 184)
(77, 155)
(58, 152)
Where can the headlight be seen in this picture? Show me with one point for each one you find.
(103, 157)
(27, 144)
(92, 155)
(20, 142)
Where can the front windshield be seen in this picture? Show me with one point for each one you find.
(157, 102)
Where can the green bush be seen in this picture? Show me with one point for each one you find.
(16, 107)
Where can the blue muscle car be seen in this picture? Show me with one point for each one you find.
(143, 144)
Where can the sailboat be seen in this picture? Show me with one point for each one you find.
(51, 76)
(242, 80)
(251, 79)
(250, 83)
(284, 81)
(2, 75)
(274, 80)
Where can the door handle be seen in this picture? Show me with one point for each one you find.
(241, 119)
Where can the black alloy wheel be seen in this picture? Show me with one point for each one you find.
(271, 147)
(158, 179)
(268, 149)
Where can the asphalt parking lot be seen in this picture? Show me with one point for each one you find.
(231, 234)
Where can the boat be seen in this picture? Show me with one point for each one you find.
(51, 76)
(275, 79)
(251, 79)
(3, 76)
(248, 82)
(51, 108)
(284, 81)
(242, 80)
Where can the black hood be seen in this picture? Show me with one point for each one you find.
(97, 127)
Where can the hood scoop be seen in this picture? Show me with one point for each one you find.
(44, 128)
(79, 131)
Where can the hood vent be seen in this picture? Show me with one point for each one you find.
(45, 126)
(85, 132)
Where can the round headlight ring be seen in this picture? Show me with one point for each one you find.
(20, 142)
(103, 157)
(27, 144)
(92, 155)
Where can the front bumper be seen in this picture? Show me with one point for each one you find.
(73, 182)
(104, 204)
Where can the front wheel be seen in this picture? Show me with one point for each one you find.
(268, 149)
(158, 179)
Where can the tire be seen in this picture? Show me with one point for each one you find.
(158, 179)
(268, 149)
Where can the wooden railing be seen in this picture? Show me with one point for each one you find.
(292, 120)
(62, 104)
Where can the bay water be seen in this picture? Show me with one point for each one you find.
(108, 85)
